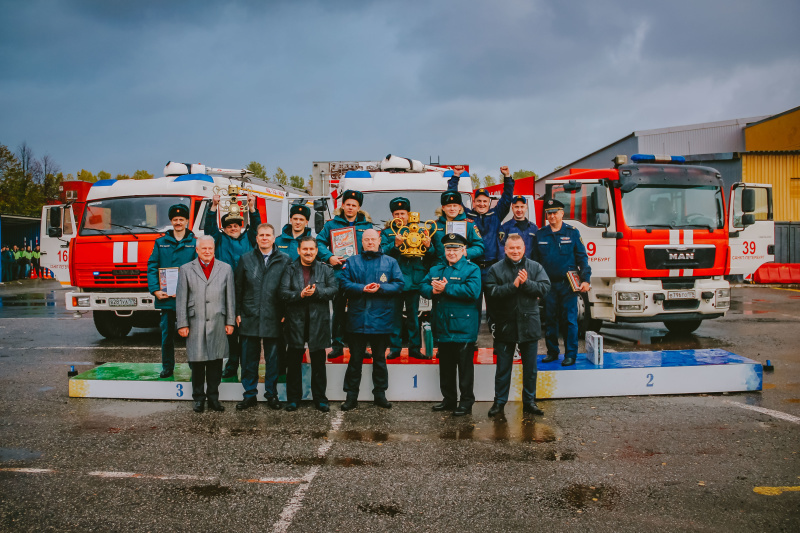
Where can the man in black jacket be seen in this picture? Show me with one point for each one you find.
(307, 287)
(515, 286)
(258, 314)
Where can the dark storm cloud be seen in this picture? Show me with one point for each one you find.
(122, 85)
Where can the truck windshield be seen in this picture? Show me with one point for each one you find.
(138, 214)
(376, 203)
(657, 206)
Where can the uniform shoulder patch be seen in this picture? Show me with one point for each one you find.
(477, 231)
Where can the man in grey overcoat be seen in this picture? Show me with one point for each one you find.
(205, 317)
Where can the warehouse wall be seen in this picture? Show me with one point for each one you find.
(781, 132)
(782, 171)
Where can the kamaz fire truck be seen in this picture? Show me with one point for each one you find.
(107, 248)
(660, 239)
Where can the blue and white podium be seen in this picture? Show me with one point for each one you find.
(620, 374)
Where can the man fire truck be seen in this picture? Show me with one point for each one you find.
(660, 240)
(108, 252)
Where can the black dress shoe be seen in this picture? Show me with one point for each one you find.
(214, 405)
(349, 404)
(496, 409)
(166, 374)
(568, 361)
(230, 373)
(532, 408)
(323, 407)
(443, 406)
(461, 411)
(274, 403)
(291, 406)
(550, 358)
(336, 352)
(247, 403)
(393, 355)
(382, 402)
(416, 354)
(199, 407)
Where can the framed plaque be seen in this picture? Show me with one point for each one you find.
(343, 242)
(168, 280)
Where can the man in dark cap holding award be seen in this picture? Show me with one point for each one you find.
(560, 250)
(453, 220)
(339, 239)
(171, 251)
(413, 269)
(297, 228)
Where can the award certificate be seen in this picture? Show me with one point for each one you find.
(168, 280)
(343, 242)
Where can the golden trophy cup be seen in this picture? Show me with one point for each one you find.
(229, 201)
(413, 234)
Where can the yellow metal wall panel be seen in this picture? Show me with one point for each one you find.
(783, 173)
(779, 133)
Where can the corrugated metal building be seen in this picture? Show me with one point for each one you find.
(19, 230)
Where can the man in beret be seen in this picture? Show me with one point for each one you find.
(454, 286)
(560, 249)
(349, 215)
(519, 225)
(297, 228)
(172, 250)
(414, 271)
(230, 245)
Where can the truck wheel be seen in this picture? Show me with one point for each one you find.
(585, 320)
(111, 326)
(682, 327)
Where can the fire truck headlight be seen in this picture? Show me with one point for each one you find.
(629, 296)
(723, 298)
(80, 301)
(629, 307)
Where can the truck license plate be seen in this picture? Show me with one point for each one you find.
(681, 295)
(122, 302)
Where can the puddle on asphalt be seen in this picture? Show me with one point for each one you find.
(583, 496)
(35, 299)
(18, 454)
(384, 509)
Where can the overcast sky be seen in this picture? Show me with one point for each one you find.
(119, 85)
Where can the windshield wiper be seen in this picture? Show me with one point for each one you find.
(146, 227)
(125, 227)
(102, 232)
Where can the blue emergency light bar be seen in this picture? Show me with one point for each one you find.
(447, 174)
(357, 174)
(657, 158)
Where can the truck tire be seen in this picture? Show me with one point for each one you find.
(683, 327)
(585, 320)
(111, 326)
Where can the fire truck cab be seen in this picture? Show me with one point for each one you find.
(660, 240)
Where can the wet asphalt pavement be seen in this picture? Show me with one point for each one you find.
(678, 463)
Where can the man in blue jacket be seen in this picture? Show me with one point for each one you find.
(454, 286)
(173, 250)
(519, 225)
(371, 281)
(230, 245)
(560, 249)
(297, 228)
(414, 272)
(349, 215)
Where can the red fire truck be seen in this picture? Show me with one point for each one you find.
(661, 240)
(103, 252)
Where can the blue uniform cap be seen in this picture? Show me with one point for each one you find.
(482, 192)
(552, 205)
(519, 198)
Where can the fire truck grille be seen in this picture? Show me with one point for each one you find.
(685, 305)
(121, 275)
(668, 258)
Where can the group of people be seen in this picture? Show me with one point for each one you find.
(20, 262)
(243, 291)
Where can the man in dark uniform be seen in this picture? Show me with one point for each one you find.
(297, 228)
(519, 225)
(348, 215)
(515, 285)
(173, 250)
(371, 281)
(454, 286)
(414, 271)
(231, 244)
(559, 249)
(453, 220)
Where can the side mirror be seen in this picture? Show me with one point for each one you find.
(321, 204)
(54, 218)
(600, 200)
(628, 186)
(572, 186)
(748, 219)
(54, 232)
(748, 200)
(319, 220)
(601, 220)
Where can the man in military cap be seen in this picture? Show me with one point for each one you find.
(454, 286)
(230, 245)
(349, 215)
(519, 225)
(413, 272)
(172, 250)
(560, 249)
(453, 220)
(297, 228)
